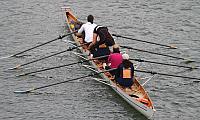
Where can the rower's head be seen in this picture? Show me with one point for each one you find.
(116, 48)
(125, 56)
(126, 62)
(90, 18)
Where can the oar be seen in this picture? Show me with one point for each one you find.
(59, 66)
(18, 66)
(157, 53)
(165, 74)
(30, 90)
(69, 49)
(49, 68)
(141, 60)
(60, 37)
(45, 86)
(169, 46)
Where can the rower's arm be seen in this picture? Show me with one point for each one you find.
(94, 41)
(79, 33)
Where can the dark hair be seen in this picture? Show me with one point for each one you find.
(116, 50)
(126, 63)
(90, 18)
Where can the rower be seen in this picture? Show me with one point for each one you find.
(114, 59)
(125, 72)
(87, 29)
(101, 42)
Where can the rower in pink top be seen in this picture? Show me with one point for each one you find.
(115, 58)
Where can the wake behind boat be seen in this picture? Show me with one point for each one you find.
(136, 96)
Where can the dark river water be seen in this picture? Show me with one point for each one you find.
(27, 23)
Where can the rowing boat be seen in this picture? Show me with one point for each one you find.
(137, 97)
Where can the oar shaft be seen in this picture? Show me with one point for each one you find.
(45, 86)
(141, 60)
(144, 41)
(152, 72)
(63, 82)
(60, 37)
(43, 58)
(59, 66)
(49, 69)
(152, 52)
(69, 49)
(48, 56)
(93, 74)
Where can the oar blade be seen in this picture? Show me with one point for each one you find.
(5, 57)
(22, 92)
(188, 61)
(16, 67)
(173, 47)
(20, 75)
(196, 81)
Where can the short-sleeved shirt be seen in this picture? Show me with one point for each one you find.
(115, 59)
(88, 28)
(104, 35)
(96, 29)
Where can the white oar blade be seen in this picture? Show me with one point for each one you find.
(13, 68)
(5, 57)
(173, 47)
(21, 92)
